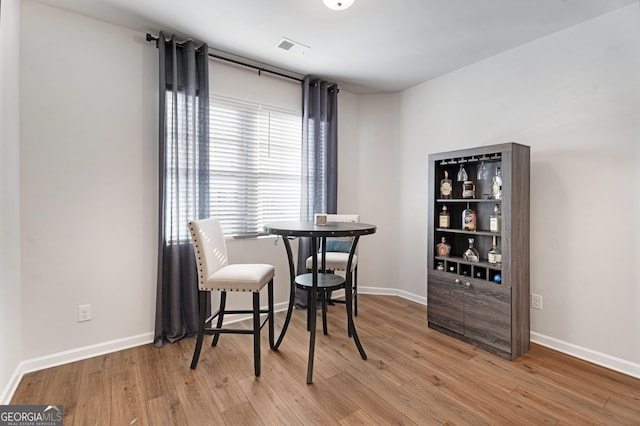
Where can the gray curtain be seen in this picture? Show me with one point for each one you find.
(319, 158)
(183, 183)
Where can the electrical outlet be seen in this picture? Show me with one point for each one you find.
(536, 301)
(84, 313)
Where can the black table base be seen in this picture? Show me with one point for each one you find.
(317, 281)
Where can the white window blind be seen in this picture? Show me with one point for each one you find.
(255, 164)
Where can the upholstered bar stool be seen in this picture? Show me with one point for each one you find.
(215, 274)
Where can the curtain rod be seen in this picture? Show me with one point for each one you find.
(234, 61)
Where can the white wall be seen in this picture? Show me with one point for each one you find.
(88, 175)
(574, 97)
(369, 182)
(10, 320)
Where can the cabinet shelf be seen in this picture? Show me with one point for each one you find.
(460, 260)
(470, 233)
(467, 200)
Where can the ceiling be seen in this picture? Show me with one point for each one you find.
(373, 47)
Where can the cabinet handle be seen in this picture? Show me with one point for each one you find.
(457, 281)
(467, 284)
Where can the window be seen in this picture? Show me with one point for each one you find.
(255, 165)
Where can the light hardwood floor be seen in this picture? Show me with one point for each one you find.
(413, 375)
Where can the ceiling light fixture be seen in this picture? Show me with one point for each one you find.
(338, 4)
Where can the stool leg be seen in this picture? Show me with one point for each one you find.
(203, 313)
(324, 312)
(256, 332)
(223, 302)
(271, 319)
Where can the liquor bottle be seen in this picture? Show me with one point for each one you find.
(495, 220)
(444, 218)
(495, 256)
(462, 174)
(445, 186)
(443, 248)
(496, 185)
(468, 189)
(468, 219)
(471, 254)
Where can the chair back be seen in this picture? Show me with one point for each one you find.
(353, 218)
(209, 247)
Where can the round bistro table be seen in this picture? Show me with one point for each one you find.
(318, 235)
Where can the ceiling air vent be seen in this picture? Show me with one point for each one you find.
(292, 46)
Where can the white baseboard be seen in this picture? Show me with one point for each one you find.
(608, 361)
(11, 387)
(604, 360)
(393, 292)
(65, 357)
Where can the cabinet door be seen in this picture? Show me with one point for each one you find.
(446, 301)
(487, 314)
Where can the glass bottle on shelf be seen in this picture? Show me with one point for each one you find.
(468, 189)
(471, 254)
(443, 248)
(468, 219)
(495, 255)
(445, 186)
(482, 172)
(462, 174)
(444, 220)
(495, 220)
(496, 185)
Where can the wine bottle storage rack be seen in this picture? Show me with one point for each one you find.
(479, 302)
(496, 156)
(478, 270)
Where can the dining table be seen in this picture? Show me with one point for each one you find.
(318, 277)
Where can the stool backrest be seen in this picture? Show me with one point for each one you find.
(354, 218)
(209, 247)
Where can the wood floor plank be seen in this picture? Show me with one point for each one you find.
(446, 407)
(266, 402)
(194, 395)
(164, 410)
(128, 406)
(381, 410)
(63, 387)
(243, 414)
(413, 375)
(555, 404)
(33, 387)
(359, 418)
(623, 408)
(93, 406)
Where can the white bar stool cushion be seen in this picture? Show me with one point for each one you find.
(240, 277)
